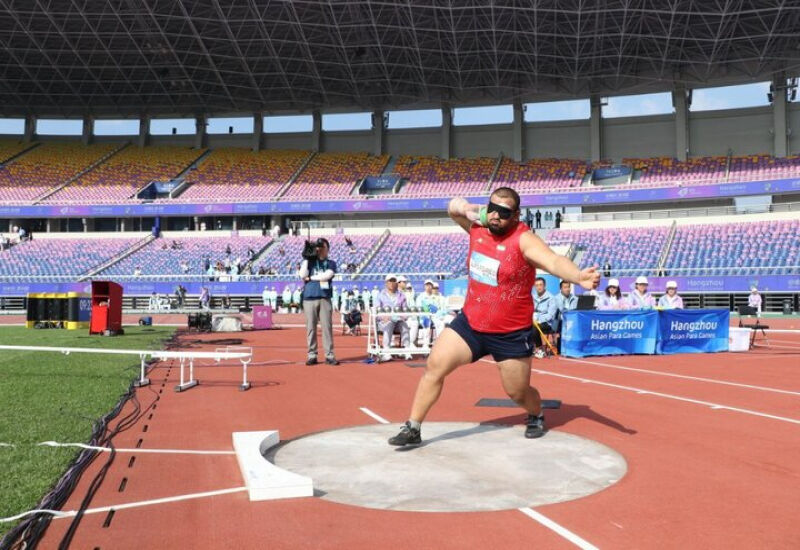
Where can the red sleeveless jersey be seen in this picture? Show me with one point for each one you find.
(499, 295)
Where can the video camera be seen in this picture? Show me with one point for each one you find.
(310, 248)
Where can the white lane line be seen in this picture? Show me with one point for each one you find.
(368, 412)
(108, 449)
(666, 395)
(58, 514)
(685, 377)
(563, 531)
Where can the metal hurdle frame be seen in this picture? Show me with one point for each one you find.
(374, 346)
(245, 385)
(181, 356)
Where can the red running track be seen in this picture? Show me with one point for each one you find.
(712, 460)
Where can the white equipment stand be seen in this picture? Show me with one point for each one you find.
(243, 356)
(374, 346)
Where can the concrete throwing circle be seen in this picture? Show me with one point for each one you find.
(460, 467)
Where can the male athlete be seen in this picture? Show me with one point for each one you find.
(497, 315)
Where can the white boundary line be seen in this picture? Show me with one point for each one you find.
(563, 531)
(641, 391)
(57, 514)
(686, 377)
(368, 412)
(163, 451)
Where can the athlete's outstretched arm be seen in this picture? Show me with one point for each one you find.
(463, 213)
(537, 252)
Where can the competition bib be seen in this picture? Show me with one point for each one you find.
(483, 268)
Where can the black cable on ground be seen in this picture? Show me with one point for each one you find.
(29, 532)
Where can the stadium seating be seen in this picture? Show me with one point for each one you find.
(435, 177)
(746, 248)
(662, 171)
(766, 167)
(121, 176)
(284, 256)
(538, 174)
(159, 258)
(430, 254)
(46, 167)
(50, 258)
(626, 249)
(11, 147)
(236, 174)
(333, 175)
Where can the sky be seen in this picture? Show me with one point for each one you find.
(708, 99)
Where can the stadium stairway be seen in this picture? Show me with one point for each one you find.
(79, 175)
(118, 258)
(296, 175)
(31, 146)
(389, 168)
(667, 245)
(372, 253)
(494, 173)
(257, 256)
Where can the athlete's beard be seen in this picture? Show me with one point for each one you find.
(500, 232)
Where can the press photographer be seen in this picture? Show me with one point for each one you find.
(317, 272)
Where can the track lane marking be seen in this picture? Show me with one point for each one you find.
(561, 530)
(684, 376)
(377, 417)
(665, 395)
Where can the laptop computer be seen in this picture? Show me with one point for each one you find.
(585, 302)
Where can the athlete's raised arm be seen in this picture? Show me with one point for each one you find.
(537, 252)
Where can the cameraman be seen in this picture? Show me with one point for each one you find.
(317, 272)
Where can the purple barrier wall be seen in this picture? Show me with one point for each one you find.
(766, 283)
(575, 198)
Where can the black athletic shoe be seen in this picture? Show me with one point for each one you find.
(311, 361)
(407, 436)
(331, 361)
(534, 426)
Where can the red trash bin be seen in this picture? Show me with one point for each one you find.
(106, 308)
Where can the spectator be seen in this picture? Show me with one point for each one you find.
(205, 298)
(393, 299)
(612, 297)
(227, 249)
(206, 264)
(226, 302)
(607, 269)
(640, 298)
(671, 300)
(286, 298)
(184, 266)
(544, 314)
(754, 300)
(538, 219)
(137, 272)
(558, 219)
(180, 295)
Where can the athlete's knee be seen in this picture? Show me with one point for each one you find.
(518, 395)
(435, 369)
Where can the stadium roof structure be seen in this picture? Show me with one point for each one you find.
(129, 57)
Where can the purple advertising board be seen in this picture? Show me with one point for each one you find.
(689, 285)
(569, 198)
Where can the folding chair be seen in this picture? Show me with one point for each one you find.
(748, 311)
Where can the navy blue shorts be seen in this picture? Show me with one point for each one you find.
(501, 346)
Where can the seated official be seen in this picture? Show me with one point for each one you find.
(612, 298)
(565, 301)
(393, 299)
(544, 313)
(640, 298)
(671, 300)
